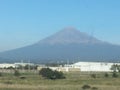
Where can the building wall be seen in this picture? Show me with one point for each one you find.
(94, 66)
(85, 66)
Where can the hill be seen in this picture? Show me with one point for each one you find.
(67, 44)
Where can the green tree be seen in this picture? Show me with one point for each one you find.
(114, 68)
(50, 74)
(30, 67)
(10, 67)
(118, 68)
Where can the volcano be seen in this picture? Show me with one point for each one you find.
(70, 35)
(67, 44)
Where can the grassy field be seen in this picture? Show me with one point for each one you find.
(73, 81)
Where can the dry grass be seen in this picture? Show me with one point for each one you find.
(54, 87)
(73, 81)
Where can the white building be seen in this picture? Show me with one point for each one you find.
(93, 66)
(23, 64)
(6, 65)
(14, 65)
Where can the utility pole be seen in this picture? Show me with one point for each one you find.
(29, 65)
(22, 67)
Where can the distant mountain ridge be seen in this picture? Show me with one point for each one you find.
(67, 44)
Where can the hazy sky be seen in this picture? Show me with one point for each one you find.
(24, 22)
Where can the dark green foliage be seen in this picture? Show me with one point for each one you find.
(115, 75)
(114, 68)
(118, 68)
(50, 74)
(10, 67)
(52, 64)
(106, 75)
(86, 87)
(22, 77)
(0, 74)
(16, 73)
(28, 67)
(35, 67)
(93, 75)
(46, 72)
(94, 88)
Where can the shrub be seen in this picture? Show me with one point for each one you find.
(94, 88)
(106, 75)
(93, 75)
(115, 75)
(86, 87)
(50, 74)
(16, 73)
(22, 77)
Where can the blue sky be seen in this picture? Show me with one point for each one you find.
(24, 22)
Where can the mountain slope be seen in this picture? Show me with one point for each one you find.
(68, 36)
(70, 44)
